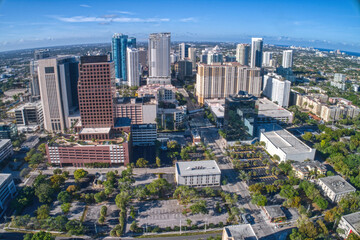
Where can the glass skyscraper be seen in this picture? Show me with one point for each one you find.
(118, 45)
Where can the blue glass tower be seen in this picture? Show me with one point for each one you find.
(118, 45)
(131, 42)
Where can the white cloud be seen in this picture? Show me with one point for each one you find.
(124, 12)
(83, 19)
(85, 6)
(189, 19)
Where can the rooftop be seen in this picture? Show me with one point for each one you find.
(197, 168)
(95, 130)
(337, 184)
(354, 220)
(3, 142)
(287, 142)
(218, 110)
(308, 166)
(275, 211)
(4, 177)
(241, 232)
(269, 109)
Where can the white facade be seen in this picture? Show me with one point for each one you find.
(132, 61)
(6, 149)
(242, 54)
(287, 60)
(198, 173)
(288, 147)
(267, 56)
(350, 224)
(192, 56)
(277, 89)
(183, 50)
(7, 191)
(335, 187)
(159, 55)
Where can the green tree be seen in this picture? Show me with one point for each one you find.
(42, 148)
(100, 197)
(64, 197)
(80, 174)
(44, 192)
(74, 227)
(65, 207)
(133, 226)
(199, 207)
(258, 199)
(39, 236)
(185, 194)
(158, 162)
(122, 199)
(43, 212)
(158, 187)
(141, 163)
(288, 191)
(103, 211)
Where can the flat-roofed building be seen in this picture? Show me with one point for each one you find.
(274, 213)
(239, 232)
(7, 191)
(143, 134)
(198, 173)
(217, 109)
(303, 170)
(8, 130)
(6, 149)
(270, 112)
(282, 143)
(164, 93)
(335, 187)
(29, 114)
(350, 224)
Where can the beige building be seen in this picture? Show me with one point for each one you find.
(335, 187)
(303, 170)
(222, 80)
(58, 79)
(350, 224)
(165, 93)
(192, 56)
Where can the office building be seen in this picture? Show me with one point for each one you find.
(287, 60)
(170, 118)
(119, 48)
(6, 149)
(223, 80)
(96, 91)
(192, 56)
(174, 58)
(7, 191)
(217, 109)
(230, 58)
(143, 134)
(239, 232)
(256, 52)
(58, 78)
(8, 130)
(349, 223)
(282, 143)
(335, 187)
(159, 58)
(133, 75)
(35, 88)
(29, 115)
(267, 57)
(184, 69)
(198, 173)
(240, 118)
(139, 110)
(242, 54)
(183, 50)
(161, 93)
(41, 54)
(214, 57)
(143, 57)
(277, 89)
(131, 43)
(303, 170)
(270, 112)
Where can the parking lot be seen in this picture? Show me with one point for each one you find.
(168, 213)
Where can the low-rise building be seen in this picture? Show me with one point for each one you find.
(270, 112)
(7, 191)
(164, 93)
(335, 187)
(303, 170)
(171, 118)
(274, 213)
(349, 224)
(282, 143)
(29, 114)
(239, 232)
(6, 149)
(143, 134)
(198, 173)
(196, 137)
(8, 130)
(217, 109)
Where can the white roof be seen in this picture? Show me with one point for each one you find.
(95, 130)
(269, 109)
(194, 168)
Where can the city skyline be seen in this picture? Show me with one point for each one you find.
(322, 24)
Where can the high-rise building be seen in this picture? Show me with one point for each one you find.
(41, 54)
(131, 43)
(339, 81)
(58, 78)
(192, 56)
(256, 52)
(242, 54)
(119, 45)
(133, 67)
(223, 80)
(214, 55)
(96, 91)
(173, 58)
(184, 69)
(277, 89)
(240, 117)
(184, 50)
(267, 57)
(159, 55)
(143, 57)
(287, 60)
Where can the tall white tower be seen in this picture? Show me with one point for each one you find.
(242, 54)
(132, 61)
(287, 60)
(256, 52)
(159, 55)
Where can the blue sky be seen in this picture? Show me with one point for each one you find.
(319, 23)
